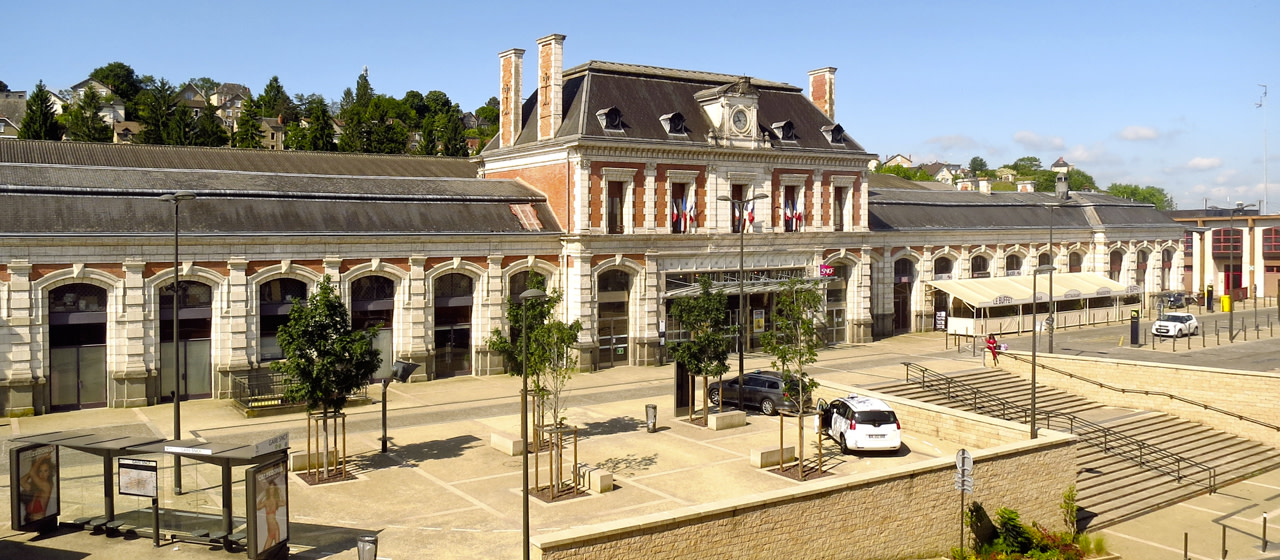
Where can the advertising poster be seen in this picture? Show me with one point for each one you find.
(138, 478)
(36, 483)
(269, 497)
(757, 320)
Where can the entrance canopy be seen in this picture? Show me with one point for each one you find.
(1016, 290)
(730, 287)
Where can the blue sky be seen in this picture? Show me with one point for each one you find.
(1152, 93)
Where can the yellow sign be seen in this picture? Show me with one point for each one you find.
(757, 320)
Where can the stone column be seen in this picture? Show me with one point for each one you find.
(491, 316)
(128, 369)
(649, 304)
(240, 328)
(20, 380)
(650, 199)
(415, 321)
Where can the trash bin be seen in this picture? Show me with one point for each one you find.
(1226, 303)
(651, 417)
(367, 547)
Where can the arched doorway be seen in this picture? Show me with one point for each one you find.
(837, 297)
(904, 274)
(612, 295)
(193, 358)
(77, 347)
(373, 305)
(1166, 266)
(454, 296)
(275, 301)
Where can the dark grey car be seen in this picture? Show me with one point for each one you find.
(760, 388)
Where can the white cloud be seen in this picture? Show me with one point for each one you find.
(1203, 163)
(1225, 177)
(1094, 154)
(1139, 133)
(954, 142)
(1033, 141)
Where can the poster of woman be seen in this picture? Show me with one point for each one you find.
(37, 483)
(271, 506)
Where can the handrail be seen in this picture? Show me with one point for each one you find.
(1097, 435)
(1145, 392)
(264, 389)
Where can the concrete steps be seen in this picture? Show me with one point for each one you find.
(1112, 488)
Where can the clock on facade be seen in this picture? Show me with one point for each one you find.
(740, 120)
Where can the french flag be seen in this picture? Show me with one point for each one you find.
(751, 213)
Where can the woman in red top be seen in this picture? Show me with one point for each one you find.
(991, 345)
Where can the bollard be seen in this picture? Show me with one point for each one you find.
(1264, 531)
(651, 417)
(1224, 542)
(1185, 556)
(367, 547)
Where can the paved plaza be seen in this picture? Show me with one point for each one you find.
(443, 492)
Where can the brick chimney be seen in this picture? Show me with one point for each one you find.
(550, 83)
(822, 90)
(511, 73)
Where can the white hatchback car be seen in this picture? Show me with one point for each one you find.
(862, 423)
(1176, 325)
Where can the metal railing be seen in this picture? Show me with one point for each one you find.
(1145, 392)
(265, 389)
(1097, 435)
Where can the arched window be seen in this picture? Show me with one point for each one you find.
(1012, 265)
(1117, 265)
(275, 300)
(978, 267)
(613, 288)
(195, 327)
(524, 280)
(77, 346)
(1075, 262)
(1044, 259)
(454, 296)
(942, 267)
(373, 305)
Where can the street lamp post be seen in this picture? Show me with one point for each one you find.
(1053, 261)
(177, 199)
(1035, 343)
(740, 206)
(1239, 208)
(525, 298)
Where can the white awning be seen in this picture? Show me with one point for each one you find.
(1016, 290)
(749, 287)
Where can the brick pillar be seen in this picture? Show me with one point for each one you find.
(511, 74)
(239, 327)
(550, 82)
(128, 370)
(822, 90)
(19, 376)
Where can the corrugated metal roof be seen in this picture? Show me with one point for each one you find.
(268, 161)
(959, 210)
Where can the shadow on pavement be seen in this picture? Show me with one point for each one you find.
(630, 464)
(619, 425)
(25, 550)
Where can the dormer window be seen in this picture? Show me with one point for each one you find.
(785, 130)
(610, 119)
(673, 123)
(834, 133)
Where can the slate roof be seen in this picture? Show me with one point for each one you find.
(231, 159)
(925, 210)
(644, 93)
(65, 188)
(13, 104)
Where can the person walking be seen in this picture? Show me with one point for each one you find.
(992, 346)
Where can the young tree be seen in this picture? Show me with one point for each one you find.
(40, 121)
(706, 353)
(794, 343)
(325, 360)
(82, 121)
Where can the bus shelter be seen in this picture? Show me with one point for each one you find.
(981, 306)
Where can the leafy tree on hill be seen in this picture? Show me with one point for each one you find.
(123, 82)
(274, 102)
(208, 130)
(1148, 194)
(40, 121)
(1078, 180)
(452, 141)
(157, 112)
(908, 173)
(317, 136)
(977, 165)
(1026, 165)
(82, 121)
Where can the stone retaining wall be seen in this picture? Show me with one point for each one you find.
(909, 511)
(1249, 393)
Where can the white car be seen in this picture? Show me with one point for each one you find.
(1176, 325)
(861, 423)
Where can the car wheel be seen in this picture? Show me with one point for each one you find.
(766, 406)
(1195, 331)
(714, 396)
(844, 449)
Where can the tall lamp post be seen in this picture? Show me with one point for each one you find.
(177, 199)
(525, 298)
(740, 208)
(1053, 260)
(1239, 208)
(1035, 343)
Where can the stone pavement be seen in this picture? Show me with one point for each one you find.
(442, 491)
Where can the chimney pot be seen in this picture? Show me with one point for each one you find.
(550, 84)
(822, 90)
(510, 76)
